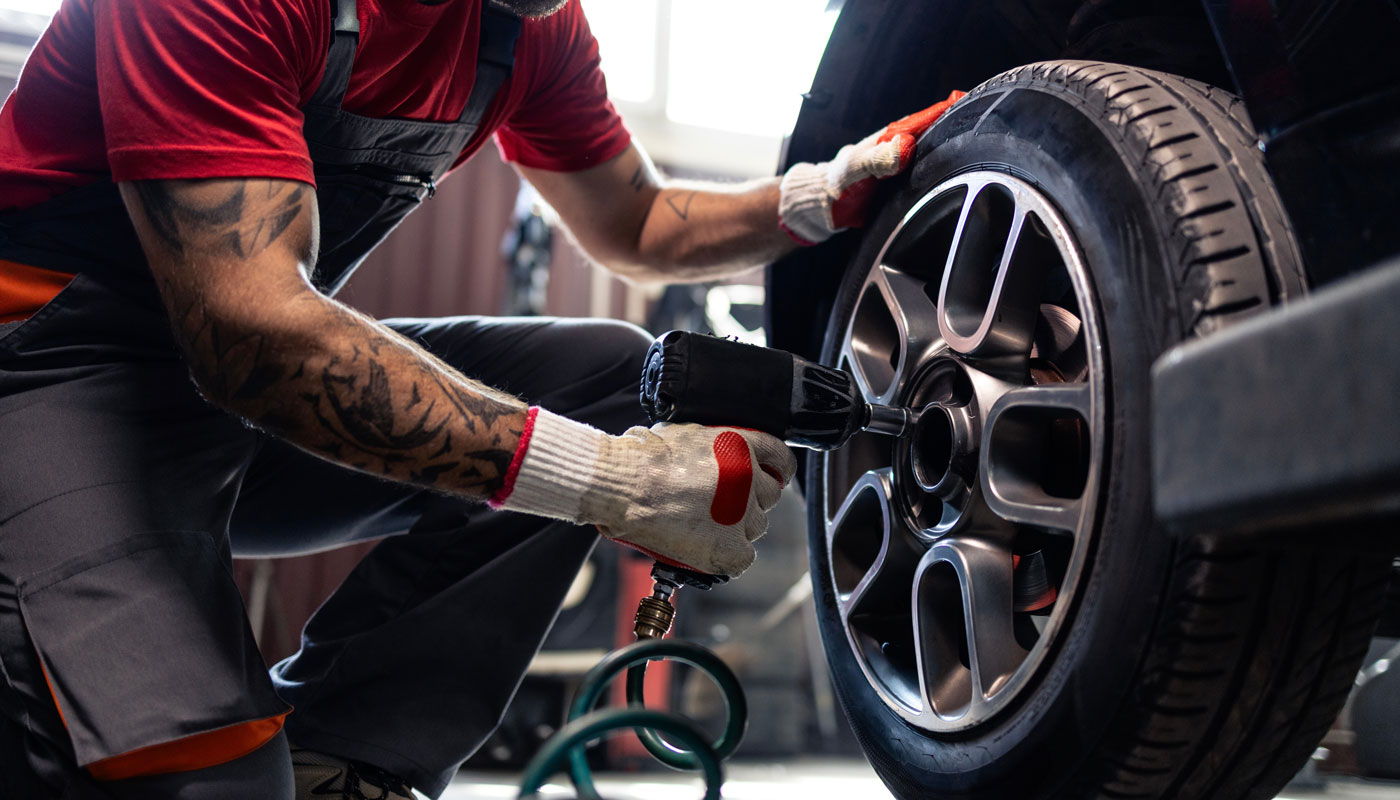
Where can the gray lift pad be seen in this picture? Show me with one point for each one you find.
(1290, 418)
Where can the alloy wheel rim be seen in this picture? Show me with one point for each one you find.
(979, 316)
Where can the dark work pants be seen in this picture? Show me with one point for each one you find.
(123, 496)
(264, 774)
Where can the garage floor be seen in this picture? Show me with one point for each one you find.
(823, 779)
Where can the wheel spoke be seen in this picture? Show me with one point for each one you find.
(856, 354)
(873, 558)
(988, 299)
(984, 570)
(896, 324)
(914, 310)
(886, 587)
(858, 537)
(872, 346)
(963, 610)
(1035, 455)
(945, 684)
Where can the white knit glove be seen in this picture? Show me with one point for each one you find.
(690, 495)
(817, 200)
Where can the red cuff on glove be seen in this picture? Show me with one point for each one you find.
(499, 498)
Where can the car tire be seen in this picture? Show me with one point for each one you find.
(1176, 667)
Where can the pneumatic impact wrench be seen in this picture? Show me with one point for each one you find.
(694, 377)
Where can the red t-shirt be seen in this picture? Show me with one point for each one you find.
(140, 89)
(143, 89)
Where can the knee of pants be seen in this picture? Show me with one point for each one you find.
(631, 343)
(608, 361)
(265, 773)
(622, 340)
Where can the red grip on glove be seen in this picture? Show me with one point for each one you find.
(735, 478)
(849, 210)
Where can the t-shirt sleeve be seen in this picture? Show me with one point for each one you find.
(195, 89)
(566, 121)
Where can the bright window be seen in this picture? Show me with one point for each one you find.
(711, 84)
(626, 33)
(44, 7)
(741, 65)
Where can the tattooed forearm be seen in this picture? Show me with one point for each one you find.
(704, 232)
(359, 394)
(651, 229)
(680, 202)
(230, 258)
(404, 423)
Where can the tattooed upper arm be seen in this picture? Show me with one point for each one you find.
(224, 252)
(605, 206)
(223, 220)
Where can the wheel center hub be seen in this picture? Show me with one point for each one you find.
(937, 469)
(943, 451)
(931, 455)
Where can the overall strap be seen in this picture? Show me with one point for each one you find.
(345, 37)
(495, 60)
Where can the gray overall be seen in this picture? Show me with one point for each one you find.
(123, 497)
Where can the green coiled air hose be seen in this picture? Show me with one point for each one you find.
(689, 752)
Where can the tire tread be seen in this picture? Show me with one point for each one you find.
(1171, 125)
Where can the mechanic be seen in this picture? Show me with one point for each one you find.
(183, 185)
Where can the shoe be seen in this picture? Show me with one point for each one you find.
(321, 776)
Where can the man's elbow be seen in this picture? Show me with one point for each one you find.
(239, 356)
(636, 272)
(628, 260)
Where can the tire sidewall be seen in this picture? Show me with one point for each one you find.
(1049, 137)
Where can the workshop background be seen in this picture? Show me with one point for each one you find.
(486, 245)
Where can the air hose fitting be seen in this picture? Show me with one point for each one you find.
(655, 613)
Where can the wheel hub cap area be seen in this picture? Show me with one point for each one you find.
(955, 551)
(939, 460)
(943, 442)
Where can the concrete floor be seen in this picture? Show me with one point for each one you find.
(808, 779)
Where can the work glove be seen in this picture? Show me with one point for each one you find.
(817, 200)
(688, 495)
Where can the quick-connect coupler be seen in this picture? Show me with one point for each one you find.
(654, 616)
(655, 613)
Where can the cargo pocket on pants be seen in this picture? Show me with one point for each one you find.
(145, 642)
